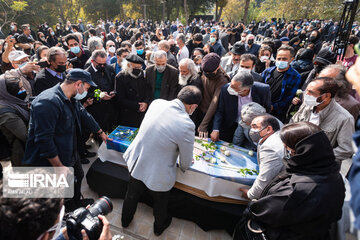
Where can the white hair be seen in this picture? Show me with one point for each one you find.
(251, 110)
(191, 67)
(109, 42)
(160, 54)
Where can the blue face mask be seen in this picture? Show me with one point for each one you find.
(75, 50)
(23, 64)
(52, 33)
(140, 51)
(80, 96)
(281, 64)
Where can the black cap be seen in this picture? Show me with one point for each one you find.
(80, 74)
(238, 48)
(325, 57)
(134, 58)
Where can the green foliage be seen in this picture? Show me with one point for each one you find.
(19, 6)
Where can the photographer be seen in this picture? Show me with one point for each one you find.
(25, 40)
(38, 219)
(76, 51)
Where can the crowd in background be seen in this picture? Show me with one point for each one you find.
(264, 85)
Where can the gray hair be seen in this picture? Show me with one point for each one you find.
(98, 53)
(160, 54)
(163, 44)
(93, 43)
(245, 77)
(181, 37)
(191, 67)
(51, 54)
(250, 111)
(109, 41)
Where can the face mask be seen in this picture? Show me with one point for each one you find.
(60, 68)
(311, 100)
(43, 38)
(255, 135)
(81, 96)
(136, 71)
(52, 33)
(264, 58)
(212, 39)
(21, 94)
(250, 41)
(112, 49)
(100, 68)
(281, 64)
(231, 91)
(312, 38)
(160, 68)
(75, 50)
(243, 39)
(12, 28)
(140, 51)
(210, 75)
(23, 64)
(172, 48)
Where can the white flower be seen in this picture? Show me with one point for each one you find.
(222, 159)
(299, 91)
(251, 153)
(227, 153)
(213, 160)
(223, 148)
(102, 94)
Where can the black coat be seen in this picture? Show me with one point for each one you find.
(304, 200)
(130, 92)
(103, 111)
(44, 80)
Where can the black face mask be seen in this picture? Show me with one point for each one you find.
(60, 68)
(100, 68)
(210, 75)
(312, 39)
(172, 48)
(136, 71)
(250, 41)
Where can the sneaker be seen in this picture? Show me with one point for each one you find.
(159, 230)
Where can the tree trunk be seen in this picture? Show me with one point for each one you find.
(216, 10)
(220, 12)
(246, 10)
(186, 12)
(164, 10)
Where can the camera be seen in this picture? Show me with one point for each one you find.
(73, 60)
(88, 220)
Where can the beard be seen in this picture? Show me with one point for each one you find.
(183, 79)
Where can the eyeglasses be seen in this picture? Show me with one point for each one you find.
(111, 45)
(100, 64)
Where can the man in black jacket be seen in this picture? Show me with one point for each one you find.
(133, 92)
(103, 109)
(54, 74)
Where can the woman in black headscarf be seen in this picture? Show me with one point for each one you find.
(307, 197)
(14, 116)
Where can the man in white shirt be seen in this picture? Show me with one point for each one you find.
(183, 51)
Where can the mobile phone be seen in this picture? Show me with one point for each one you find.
(43, 64)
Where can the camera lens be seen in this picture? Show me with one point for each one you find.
(102, 206)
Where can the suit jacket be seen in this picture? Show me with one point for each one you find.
(151, 157)
(169, 85)
(270, 156)
(227, 111)
(44, 80)
(112, 38)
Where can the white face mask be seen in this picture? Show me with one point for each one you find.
(311, 100)
(231, 91)
(264, 58)
(112, 49)
(81, 96)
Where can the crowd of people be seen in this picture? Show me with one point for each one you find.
(275, 87)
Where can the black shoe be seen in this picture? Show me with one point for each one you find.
(87, 146)
(125, 223)
(159, 230)
(86, 201)
(89, 154)
(85, 161)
